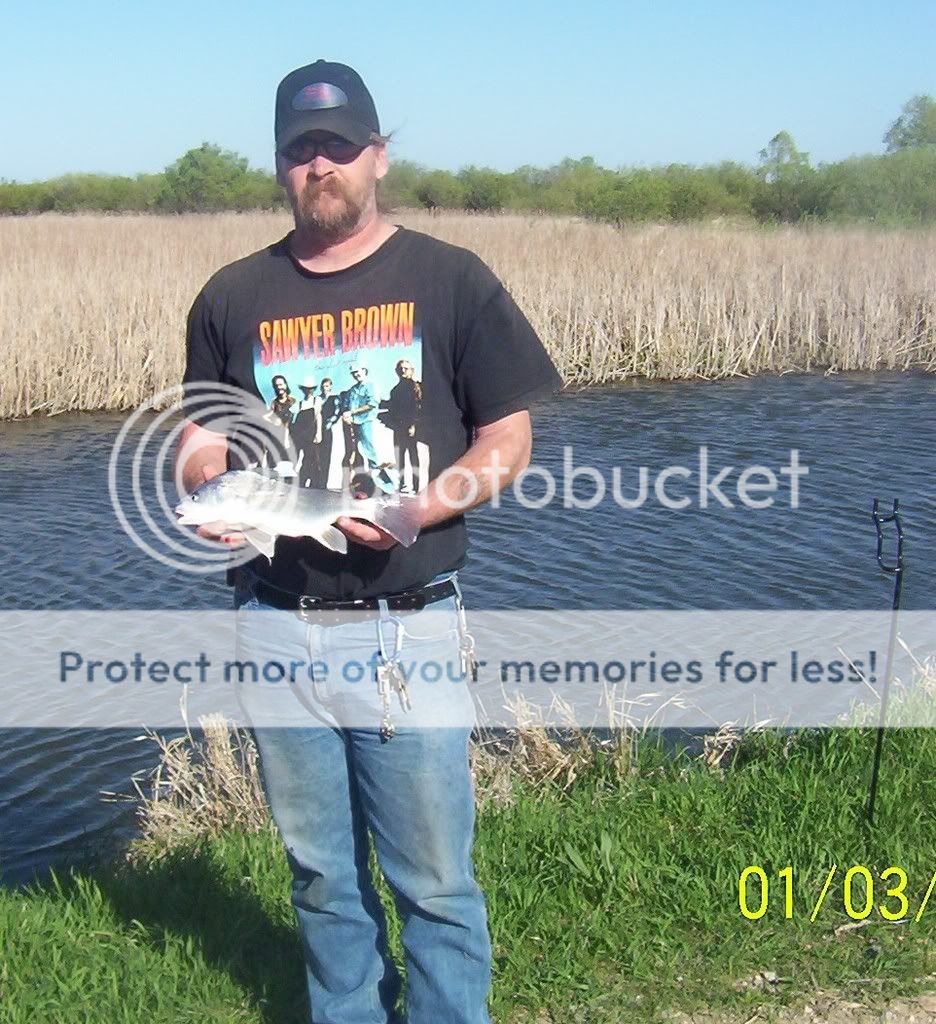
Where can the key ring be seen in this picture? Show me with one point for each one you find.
(388, 672)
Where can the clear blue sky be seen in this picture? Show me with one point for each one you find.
(124, 87)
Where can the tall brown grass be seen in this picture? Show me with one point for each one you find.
(92, 308)
(204, 786)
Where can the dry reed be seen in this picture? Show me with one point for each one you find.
(199, 788)
(203, 787)
(92, 307)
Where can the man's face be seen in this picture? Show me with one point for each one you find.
(405, 370)
(326, 387)
(279, 386)
(330, 197)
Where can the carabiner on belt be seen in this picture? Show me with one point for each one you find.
(390, 676)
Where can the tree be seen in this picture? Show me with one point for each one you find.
(916, 125)
(441, 189)
(398, 187)
(781, 160)
(694, 193)
(635, 195)
(790, 190)
(205, 179)
(485, 189)
(738, 184)
(896, 189)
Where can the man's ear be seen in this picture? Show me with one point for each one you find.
(381, 160)
(280, 173)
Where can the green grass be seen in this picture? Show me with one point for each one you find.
(614, 900)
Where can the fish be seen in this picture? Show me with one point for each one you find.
(264, 507)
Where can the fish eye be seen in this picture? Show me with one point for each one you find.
(194, 497)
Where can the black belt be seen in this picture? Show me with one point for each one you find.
(407, 600)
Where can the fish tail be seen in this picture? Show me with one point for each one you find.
(400, 517)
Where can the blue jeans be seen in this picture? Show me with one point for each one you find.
(330, 784)
(364, 433)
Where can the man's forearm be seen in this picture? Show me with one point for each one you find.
(493, 461)
(200, 455)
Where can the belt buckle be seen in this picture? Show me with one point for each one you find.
(324, 611)
(310, 608)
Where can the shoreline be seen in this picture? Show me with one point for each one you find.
(646, 302)
(623, 385)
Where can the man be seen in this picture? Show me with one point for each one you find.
(361, 411)
(330, 416)
(402, 416)
(280, 416)
(366, 284)
(282, 404)
(307, 434)
(350, 455)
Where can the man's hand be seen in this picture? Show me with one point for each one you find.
(202, 454)
(365, 533)
(218, 531)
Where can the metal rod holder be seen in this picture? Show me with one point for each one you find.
(894, 568)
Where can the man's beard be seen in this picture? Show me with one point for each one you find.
(330, 221)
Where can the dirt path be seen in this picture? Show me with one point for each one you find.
(826, 1008)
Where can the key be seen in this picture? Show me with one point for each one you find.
(466, 646)
(399, 682)
(467, 659)
(384, 680)
(384, 685)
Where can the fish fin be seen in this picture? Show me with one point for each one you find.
(263, 542)
(400, 517)
(333, 539)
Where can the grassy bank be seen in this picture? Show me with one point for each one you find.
(92, 307)
(611, 873)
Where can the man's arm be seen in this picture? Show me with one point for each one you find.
(317, 413)
(501, 451)
(200, 455)
(358, 410)
(369, 401)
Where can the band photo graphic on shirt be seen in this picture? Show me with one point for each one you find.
(344, 397)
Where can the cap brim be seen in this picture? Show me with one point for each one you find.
(335, 121)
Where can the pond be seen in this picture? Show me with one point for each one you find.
(859, 436)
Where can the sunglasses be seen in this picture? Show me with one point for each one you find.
(305, 149)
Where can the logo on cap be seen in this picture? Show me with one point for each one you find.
(319, 96)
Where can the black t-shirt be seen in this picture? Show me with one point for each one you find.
(417, 309)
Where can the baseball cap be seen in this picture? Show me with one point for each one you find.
(324, 96)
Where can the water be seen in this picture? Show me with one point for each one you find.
(859, 435)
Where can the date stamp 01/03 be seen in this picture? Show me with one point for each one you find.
(862, 893)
